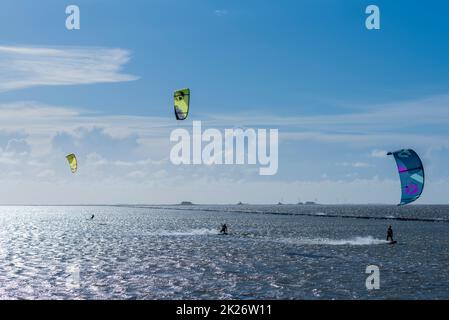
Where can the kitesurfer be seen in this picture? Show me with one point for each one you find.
(224, 229)
(390, 234)
(92, 217)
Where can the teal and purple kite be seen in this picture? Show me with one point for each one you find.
(411, 172)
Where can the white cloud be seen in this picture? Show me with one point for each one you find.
(136, 174)
(377, 119)
(39, 124)
(94, 159)
(354, 164)
(161, 174)
(46, 174)
(24, 67)
(361, 165)
(144, 162)
(14, 174)
(379, 153)
(221, 12)
(8, 159)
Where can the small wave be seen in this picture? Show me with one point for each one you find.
(192, 232)
(356, 241)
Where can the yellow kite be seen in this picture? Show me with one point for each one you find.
(182, 102)
(73, 163)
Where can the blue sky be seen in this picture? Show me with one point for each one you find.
(339, 94)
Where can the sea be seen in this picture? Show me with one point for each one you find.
(271, 252)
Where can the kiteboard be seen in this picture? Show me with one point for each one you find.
(392, 242)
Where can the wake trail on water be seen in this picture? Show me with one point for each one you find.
(191, 232)
(356, 241)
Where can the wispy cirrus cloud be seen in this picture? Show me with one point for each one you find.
(221, 12)
(431, 111)
(25, 67)
(354, 164)
(379, 153)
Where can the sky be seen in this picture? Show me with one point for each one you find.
(340, 95)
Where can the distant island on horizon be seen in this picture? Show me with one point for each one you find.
(186, 203)
(189, 203)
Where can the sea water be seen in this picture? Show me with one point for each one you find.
(176, 252)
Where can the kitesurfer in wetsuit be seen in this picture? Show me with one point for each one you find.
(92, 218)
(224, 229)
(390, 234)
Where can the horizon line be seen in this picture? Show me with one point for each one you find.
(213, 204)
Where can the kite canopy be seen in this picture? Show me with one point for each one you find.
(73, 163)
(182, 101)
(411, 173)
